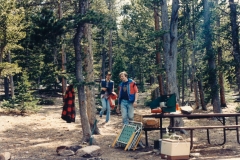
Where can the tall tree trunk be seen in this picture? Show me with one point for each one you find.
(6, 87)
(91, 107)
(235, 40)
(219, 53)
(11, 77)
(183, 77)
(194, 78)
(64, 61)
(170, 45)
(170, 50)
(166, 36)
(221, 81)
(79, 74)
(3, 40)
(12, 86)
(158, 54)
(192, 35)
(103, 56)
(110, 51)
(201, 93)
(211, 59)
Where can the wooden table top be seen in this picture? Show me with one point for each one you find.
(193, 115)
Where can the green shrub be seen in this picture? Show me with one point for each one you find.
(14, 104)
(28, 107)
(238, 108)
(45, 102)
(24, 100)
(8, 104)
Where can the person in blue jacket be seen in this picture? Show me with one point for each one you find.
(127, 97)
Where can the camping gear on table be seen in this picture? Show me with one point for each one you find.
(166, 102)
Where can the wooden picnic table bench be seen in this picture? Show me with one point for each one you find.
(226, 127)
(219, 116)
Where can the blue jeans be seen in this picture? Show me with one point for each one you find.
(127, 111)
(105, 106)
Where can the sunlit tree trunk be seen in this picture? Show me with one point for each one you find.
(158, 54)
(90, 93)
(170, 39)
(170, 45)
(78, 38)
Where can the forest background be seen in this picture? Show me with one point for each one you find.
(178, 46)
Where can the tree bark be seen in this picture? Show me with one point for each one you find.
(183, 77)
(170, 45)
(6, 87)
(11, 77)
(201, 93)
(158, 54)
(79, 74)
(221, 81)
(64, 61)
(91, 107)
(170, 50)
(103, 56)
(235, 40)
(110, 51)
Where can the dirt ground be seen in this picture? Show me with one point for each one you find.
(36, 136)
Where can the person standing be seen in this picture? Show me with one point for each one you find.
(127, 97)
(68, 112)
(107, 87)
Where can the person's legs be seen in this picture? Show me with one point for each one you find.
(124, 111)
(104, 106)
(130, 111)
(108, 110)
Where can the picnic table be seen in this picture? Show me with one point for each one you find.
(221, 117)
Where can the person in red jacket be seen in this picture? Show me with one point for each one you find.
(68, 112)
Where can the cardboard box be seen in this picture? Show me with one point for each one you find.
(175, 149)
(147, 122)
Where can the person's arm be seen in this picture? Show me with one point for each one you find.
(136, 99)
(113, 87)
(136, 95)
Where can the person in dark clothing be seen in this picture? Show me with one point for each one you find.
(68, 112)
(107, 87)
